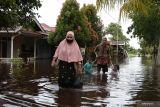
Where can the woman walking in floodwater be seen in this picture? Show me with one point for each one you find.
(70, 61)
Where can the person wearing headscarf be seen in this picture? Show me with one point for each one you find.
(70, 60)
(103, 56)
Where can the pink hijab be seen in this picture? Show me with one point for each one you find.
(68, 52)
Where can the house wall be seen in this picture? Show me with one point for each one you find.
(25, 45)
(5, 47)
(16, 46)
(44, 49)
(9, 48)
(0, 46)
(29, 43)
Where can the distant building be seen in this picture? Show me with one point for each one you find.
(118, 48)
(48, 28)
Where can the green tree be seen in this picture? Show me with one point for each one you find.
(127, 6)
(146, 49)
(17, 12)
(19, 71)
(93, 36)
(132, 50)
(90, 12)
(72, 19)
(144, 26)
(115, 29)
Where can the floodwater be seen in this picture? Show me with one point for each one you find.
(136, 80)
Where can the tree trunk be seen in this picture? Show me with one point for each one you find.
(158, 56)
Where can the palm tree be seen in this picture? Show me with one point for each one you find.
(127, 7)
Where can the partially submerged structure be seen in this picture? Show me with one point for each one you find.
(118, 49)
(28, 42)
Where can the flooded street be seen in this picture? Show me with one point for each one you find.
(137, 80)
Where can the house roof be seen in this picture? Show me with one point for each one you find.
(11, 30)
(39, 25)
(21, 30)
(47, 27)
(117, 42)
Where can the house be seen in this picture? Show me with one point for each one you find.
(118, 49)
(30, 42)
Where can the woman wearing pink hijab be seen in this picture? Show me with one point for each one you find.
(70, 59)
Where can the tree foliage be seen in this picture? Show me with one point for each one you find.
(115, 29)
(127, 6)
(72, 19)
(90, 12)
(19, 71)
(146, 27)
(17, 12)
(93, 36)
(145, 47)
(145, 15)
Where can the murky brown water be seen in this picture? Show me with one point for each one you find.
(137, 80)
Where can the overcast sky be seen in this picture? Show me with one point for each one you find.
(51, 9)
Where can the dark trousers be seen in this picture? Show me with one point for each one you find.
(103, 67)
(67, 77)
(66, 74)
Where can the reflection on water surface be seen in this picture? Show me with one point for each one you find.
(137, 80)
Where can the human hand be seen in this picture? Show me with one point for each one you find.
(80, 73)
(53, 63)
(112, 66)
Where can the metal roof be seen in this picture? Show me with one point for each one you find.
(117, 42)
